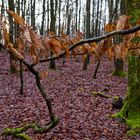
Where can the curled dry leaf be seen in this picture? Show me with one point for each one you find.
(121, 22)
(36, 39)
(128, 38)
(109, 54)
(17, 18)
(2, 25)
(109, 27)
(26, 36)
(83, 48)
(6, 37)
(103, 47)
(35, 59)
(138, 32)
(67, 52)
(117, 51)
(43, 74)
(64, 44)
(20, 45)
(14, 51)
(54, 46)
(92, 47)
(124, 52)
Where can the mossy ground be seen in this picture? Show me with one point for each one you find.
(119, 73)
(130, 115)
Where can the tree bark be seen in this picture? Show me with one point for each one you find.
(33, 4)
(52, 28)
(13, 68)
(131, 108)
(43, 17)
(87, 58)
(118, 63)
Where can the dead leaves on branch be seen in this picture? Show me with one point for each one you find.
(137, 34)
(109, 27)
(122, 22)
(14, 51)
(39, 47)
(16, 17)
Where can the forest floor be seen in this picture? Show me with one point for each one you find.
(83, 116)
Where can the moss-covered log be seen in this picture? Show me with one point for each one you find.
(19, 132)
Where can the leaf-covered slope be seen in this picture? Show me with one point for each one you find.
(82, 115)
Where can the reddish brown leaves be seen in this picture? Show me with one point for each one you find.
(17, 18)
(14, 51)
(138, 32)
(83, 116)
(109, 27)
(54, 46)
(43, 74)
(38, 47)
(6, 37)
(122, 22)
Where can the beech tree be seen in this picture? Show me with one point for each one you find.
(130, 112)
(119, 63)
(52, 28)
(88, 5)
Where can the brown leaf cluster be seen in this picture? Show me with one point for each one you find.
(38, 47)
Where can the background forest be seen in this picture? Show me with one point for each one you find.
(87, 16)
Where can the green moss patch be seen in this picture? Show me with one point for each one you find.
(119, 73)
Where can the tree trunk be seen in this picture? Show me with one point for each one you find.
(87, 58)
(13, 68)
(2, 13)
(131, 108)
(97, 20)
(93, 19)
(76, 15)
(68, 14)
(52, 28)
(43, 17)
(118, 63)
(48, 15)
(33, 4)
(79, 20)
(59, 15)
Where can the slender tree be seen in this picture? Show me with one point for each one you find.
(119, 63)
(43, 17)
(11, 5)
(2, 14)
(33, 8)
(93, 19)
(97, 19)
(48, 15)
(79, 20)
(76, 15)
(59, 15)
(52, 29)
(100, 17)
(88, 15)
(68, 14)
